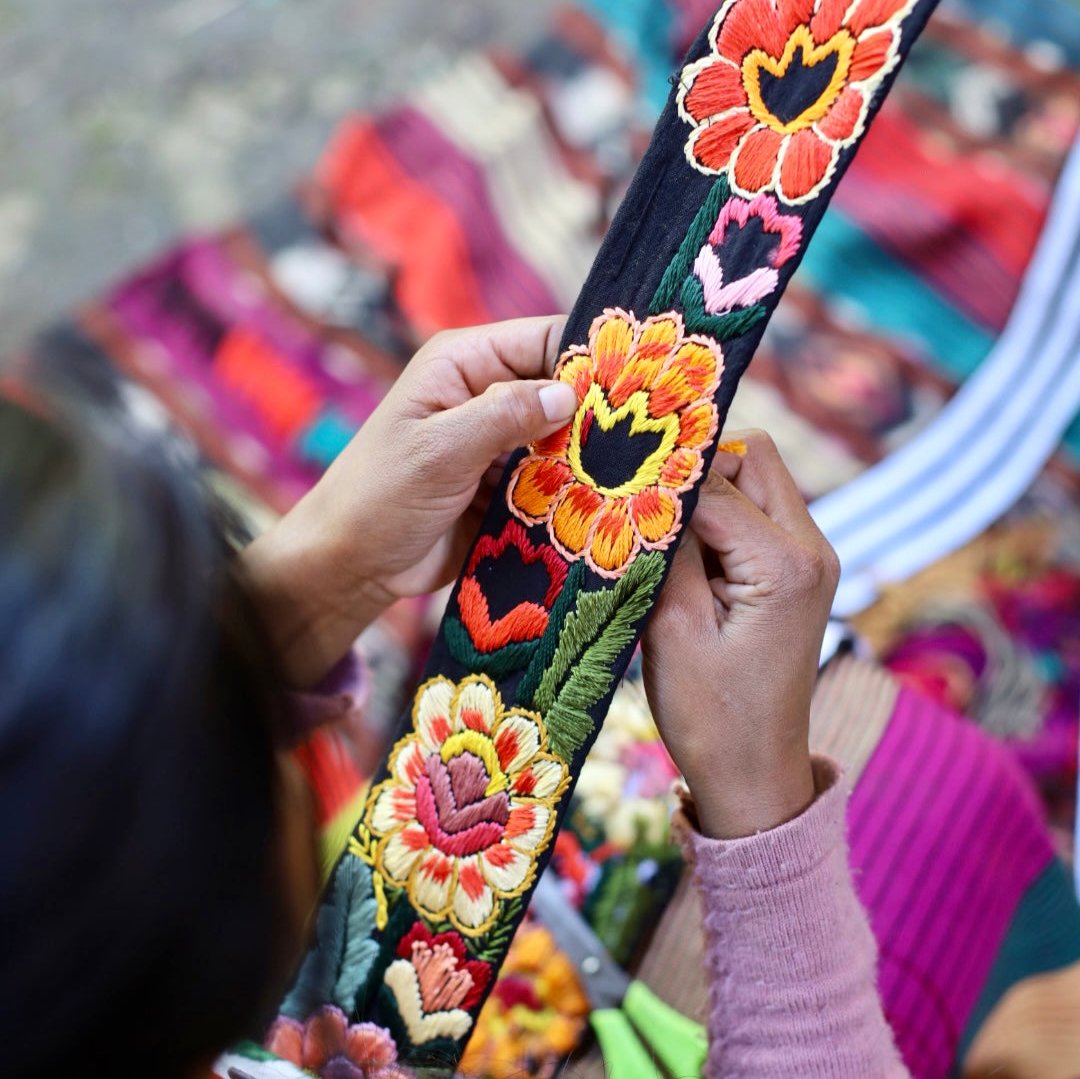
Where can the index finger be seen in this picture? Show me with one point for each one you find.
(501, 351)
(765, 480)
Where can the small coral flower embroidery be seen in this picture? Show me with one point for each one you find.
(328, 1046)
(435, 984)
(785, 87)
(609, 483)
(527, 620)
(469, 805)
(746, 233)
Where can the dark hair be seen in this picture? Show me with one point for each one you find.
(140, 918)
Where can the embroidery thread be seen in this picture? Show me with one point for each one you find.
(581, 671)
(335, 968)
(329, 1046)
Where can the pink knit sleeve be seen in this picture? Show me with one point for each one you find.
(790, 958)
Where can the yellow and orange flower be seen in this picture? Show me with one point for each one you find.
(609, 483)
(535, 1016)
(786, 86)
(469, 806)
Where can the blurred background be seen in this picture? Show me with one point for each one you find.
(123, 122)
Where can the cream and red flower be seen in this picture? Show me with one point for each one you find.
(743, 228)
(332, 1048)
(469, 804)
(527, 620)
(608, 484)
(786, 86)
(435, 984)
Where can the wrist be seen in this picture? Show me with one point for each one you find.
(311, 610)
(740, 801)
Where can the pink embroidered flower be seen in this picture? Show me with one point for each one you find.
(470, 802)
(435, 984)
(786, 86)
(739, 230)
(327, 1045)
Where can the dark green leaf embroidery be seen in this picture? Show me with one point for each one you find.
(344, 950)
(505, 661)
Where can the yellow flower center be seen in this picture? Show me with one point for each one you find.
(789, 93)
(480, 745)
(619, 452)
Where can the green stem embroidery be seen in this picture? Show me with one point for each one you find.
(344, 951)
(498, 940)
(721, 327)
(548, 643)
(697, 236)
(601, 626)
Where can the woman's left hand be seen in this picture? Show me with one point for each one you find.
(395, 514)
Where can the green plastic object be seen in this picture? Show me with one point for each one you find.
(624, 1055)
(681, 1044)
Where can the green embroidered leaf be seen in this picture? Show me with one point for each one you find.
(581, 672)
(335, 967)
(360, 949)
(497, 664)
(550, 640)
(696, 237)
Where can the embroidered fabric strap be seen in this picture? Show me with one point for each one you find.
(760, 124)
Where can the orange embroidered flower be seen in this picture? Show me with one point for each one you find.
(786, 86)
(608, 484)
(469, 805)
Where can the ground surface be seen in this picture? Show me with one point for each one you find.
(126, 122)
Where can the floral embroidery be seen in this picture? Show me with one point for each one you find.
(469, 805)
(608, 483)
(535, 1015)
(786, 86)
(328, 1046)
(745, 233)
(500, 644)
(435, 984)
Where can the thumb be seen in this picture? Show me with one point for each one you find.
(505, 416)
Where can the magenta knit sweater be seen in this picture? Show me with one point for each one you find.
(791, 961)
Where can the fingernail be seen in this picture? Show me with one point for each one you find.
(559, 401)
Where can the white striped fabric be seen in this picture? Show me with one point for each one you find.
(987, 445)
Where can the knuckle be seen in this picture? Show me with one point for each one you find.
(513, 408)
(831, 562)
(804, 571)
(761, 443)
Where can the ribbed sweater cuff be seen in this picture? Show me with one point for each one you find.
(790, 959)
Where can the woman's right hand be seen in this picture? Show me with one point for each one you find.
(731, 652)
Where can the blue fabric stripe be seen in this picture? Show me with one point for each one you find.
(843, 261)
(646, 28)
(1044, 935)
